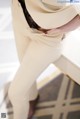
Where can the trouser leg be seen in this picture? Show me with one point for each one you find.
(37, 57)
(22, 43)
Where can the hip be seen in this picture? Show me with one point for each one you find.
(20, 23)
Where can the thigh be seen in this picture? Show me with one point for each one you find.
(37, 57)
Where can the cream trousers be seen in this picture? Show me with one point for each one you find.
(36, 50)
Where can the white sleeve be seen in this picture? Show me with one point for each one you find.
(48, 19)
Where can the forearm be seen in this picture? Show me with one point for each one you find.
(70, 26)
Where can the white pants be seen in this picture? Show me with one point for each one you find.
(36, 51)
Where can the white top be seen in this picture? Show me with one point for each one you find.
(46, 17)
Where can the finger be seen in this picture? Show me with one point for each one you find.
(53, 31)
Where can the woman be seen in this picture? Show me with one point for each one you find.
(39, 27)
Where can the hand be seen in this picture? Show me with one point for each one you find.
(48, 31)
(52, 31)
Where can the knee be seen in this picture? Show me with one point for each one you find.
(16, 94)
(13, 94)
(10, 94)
